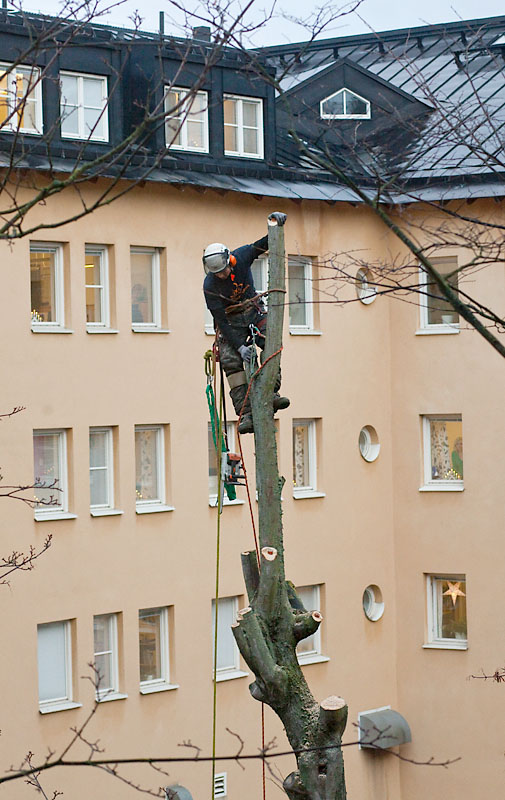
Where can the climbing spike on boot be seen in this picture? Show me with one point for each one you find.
(246, 424)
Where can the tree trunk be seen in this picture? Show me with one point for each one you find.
(268, 630)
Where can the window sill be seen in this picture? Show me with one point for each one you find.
(43, 517)
(158, 687)
(442, 487)
(105, 512)
(209, 331)
(226, 502)
(154, 509)
(231, 154)
(436, 329)
(107, 698)
(304, 332)
(231, 675)
(455, 645)
(101, 330)
(50, 329)
(304, 494)
(138, 329)
(312, 659)
(49, 708)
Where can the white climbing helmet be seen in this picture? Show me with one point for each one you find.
(215, 257)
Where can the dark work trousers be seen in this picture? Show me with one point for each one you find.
(231, 359)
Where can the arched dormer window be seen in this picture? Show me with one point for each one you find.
(345, 104)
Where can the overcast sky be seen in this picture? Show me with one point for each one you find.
(378, 15)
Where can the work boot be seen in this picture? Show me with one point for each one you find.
(237, 395)
(281, 402)
(246, 424)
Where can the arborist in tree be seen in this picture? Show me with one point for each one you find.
(231, 298)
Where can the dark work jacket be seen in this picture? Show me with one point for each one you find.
(238, 286)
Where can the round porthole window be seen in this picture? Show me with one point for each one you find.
(369, 446)
(365, 288)
(373, 604)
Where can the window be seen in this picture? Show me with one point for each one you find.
(96, 279)
(54, 647)
(309, 649)
(446, 611)
(345, 104)
(106, 655)
(20, 99)
(368, 443)
(443, 453)
(213, 465)
(243, 126)
(150, 469)
(46, 281)
(83, 107)
(436, 313)
(365, 286)
(305, 459)
(228, 658)
(50, 471)
(300, 294)
(101, 470)
(145, 277)
(186, 127)
(154, 650)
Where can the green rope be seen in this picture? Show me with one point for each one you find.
(230, 489)
(219, 418)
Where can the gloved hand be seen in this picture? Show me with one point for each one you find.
(279, 217)
(245, 353)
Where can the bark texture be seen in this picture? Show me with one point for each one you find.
(268, 630)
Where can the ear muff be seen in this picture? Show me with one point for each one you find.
(233, 261)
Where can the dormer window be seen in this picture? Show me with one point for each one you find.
(345, 104)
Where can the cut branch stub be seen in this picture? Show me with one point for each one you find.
(270, 553)
(251, 573)
(306, 623)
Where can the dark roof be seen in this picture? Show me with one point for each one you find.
(457, 69)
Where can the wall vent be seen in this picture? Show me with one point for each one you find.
(220, 784)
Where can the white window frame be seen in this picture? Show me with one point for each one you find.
(314, 656)
(159, 503)
(104, 116)
(154, 252)
(367, 115)
(433, 596)
(112, 692)
(59, 511)
(232, 670)
(163, 682)
(60, 703)
(431, 485)
(103, 253)
(12, 125)
(101, 509)
(231, 429)
(306, 262)
(241, 152)
(426, 327)
(301, 492)
(58, 324)
(183, 114)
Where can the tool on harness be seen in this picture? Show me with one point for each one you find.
(230, 463)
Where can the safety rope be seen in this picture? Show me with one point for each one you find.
(217, 422)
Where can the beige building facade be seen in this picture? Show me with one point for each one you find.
(104, 332)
